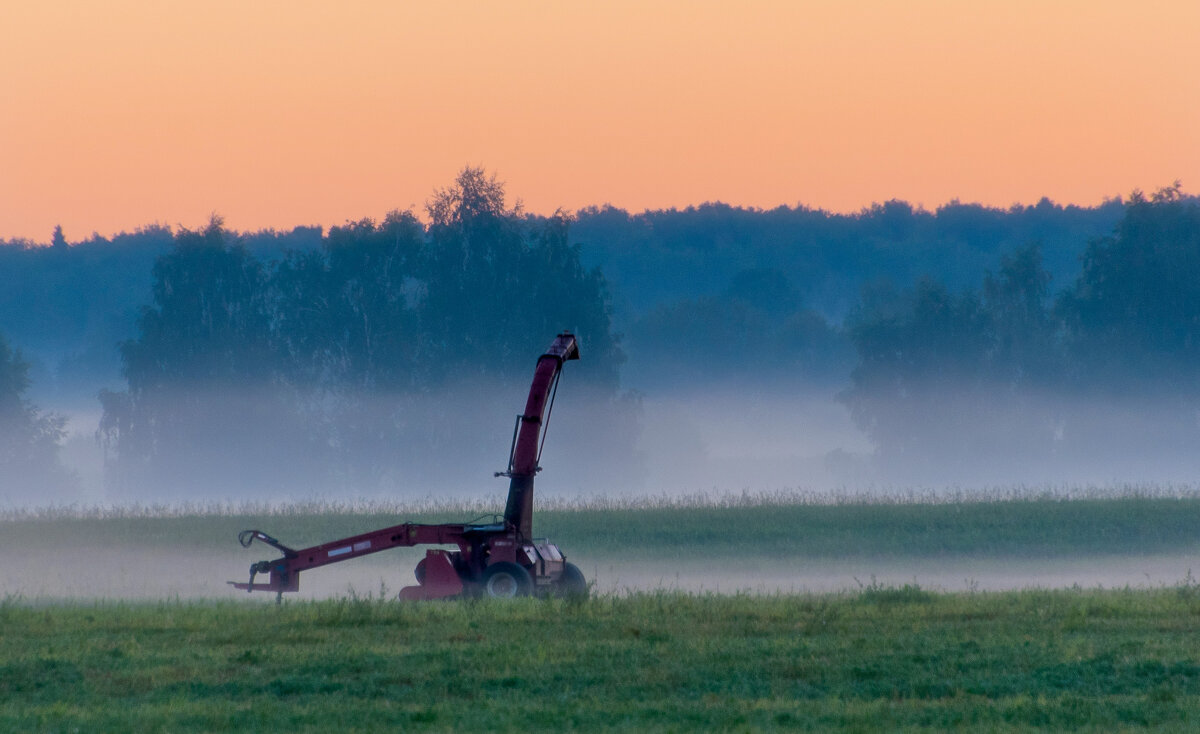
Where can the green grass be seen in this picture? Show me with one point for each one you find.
(883, 659)
(1035, 526)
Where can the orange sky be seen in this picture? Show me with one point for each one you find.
(121, 113)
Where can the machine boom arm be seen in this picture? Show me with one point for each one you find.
(285, 572)
(518, 512)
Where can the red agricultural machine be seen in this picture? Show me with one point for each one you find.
(500, 559)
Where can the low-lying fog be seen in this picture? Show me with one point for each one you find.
(129, 572)
(718, 442)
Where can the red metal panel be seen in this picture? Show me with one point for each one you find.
(502, 549)
(441, 580)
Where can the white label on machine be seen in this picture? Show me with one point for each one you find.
(339, 551)
(362, 545)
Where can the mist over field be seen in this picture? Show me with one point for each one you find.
(716, 441)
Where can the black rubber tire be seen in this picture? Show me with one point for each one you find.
(419, 571)
(504, 580)
(572, 584)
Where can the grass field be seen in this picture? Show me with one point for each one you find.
(1034, 524)
(880, 659)
(87, 645)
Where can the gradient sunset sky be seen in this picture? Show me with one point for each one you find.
(116, 114)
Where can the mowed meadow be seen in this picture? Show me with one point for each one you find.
(724, 643)
(880, 659)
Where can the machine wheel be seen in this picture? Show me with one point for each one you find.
(419, 571)
(504, 580)
(572, 584)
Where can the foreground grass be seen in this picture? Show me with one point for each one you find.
(1033, 526)
(883, 659)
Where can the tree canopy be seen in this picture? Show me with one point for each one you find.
(1009, 373)
(320, 349)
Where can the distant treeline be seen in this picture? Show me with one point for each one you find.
(718, 292)
(1009, 376)
(661, 257)
(943, 331)
(69, 306)
(685, 284)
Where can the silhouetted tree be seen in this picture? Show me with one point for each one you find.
(347, 315)
(497, 280)
(202, 405)
(209, 321)
(914, 356)
(70, 306)
(29, 438)
(317, 363)
(1026, 346)
(1107, 378)
(756, 330)
(1133, 315)
(949, 386)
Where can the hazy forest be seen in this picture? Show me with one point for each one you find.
(792, 348)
